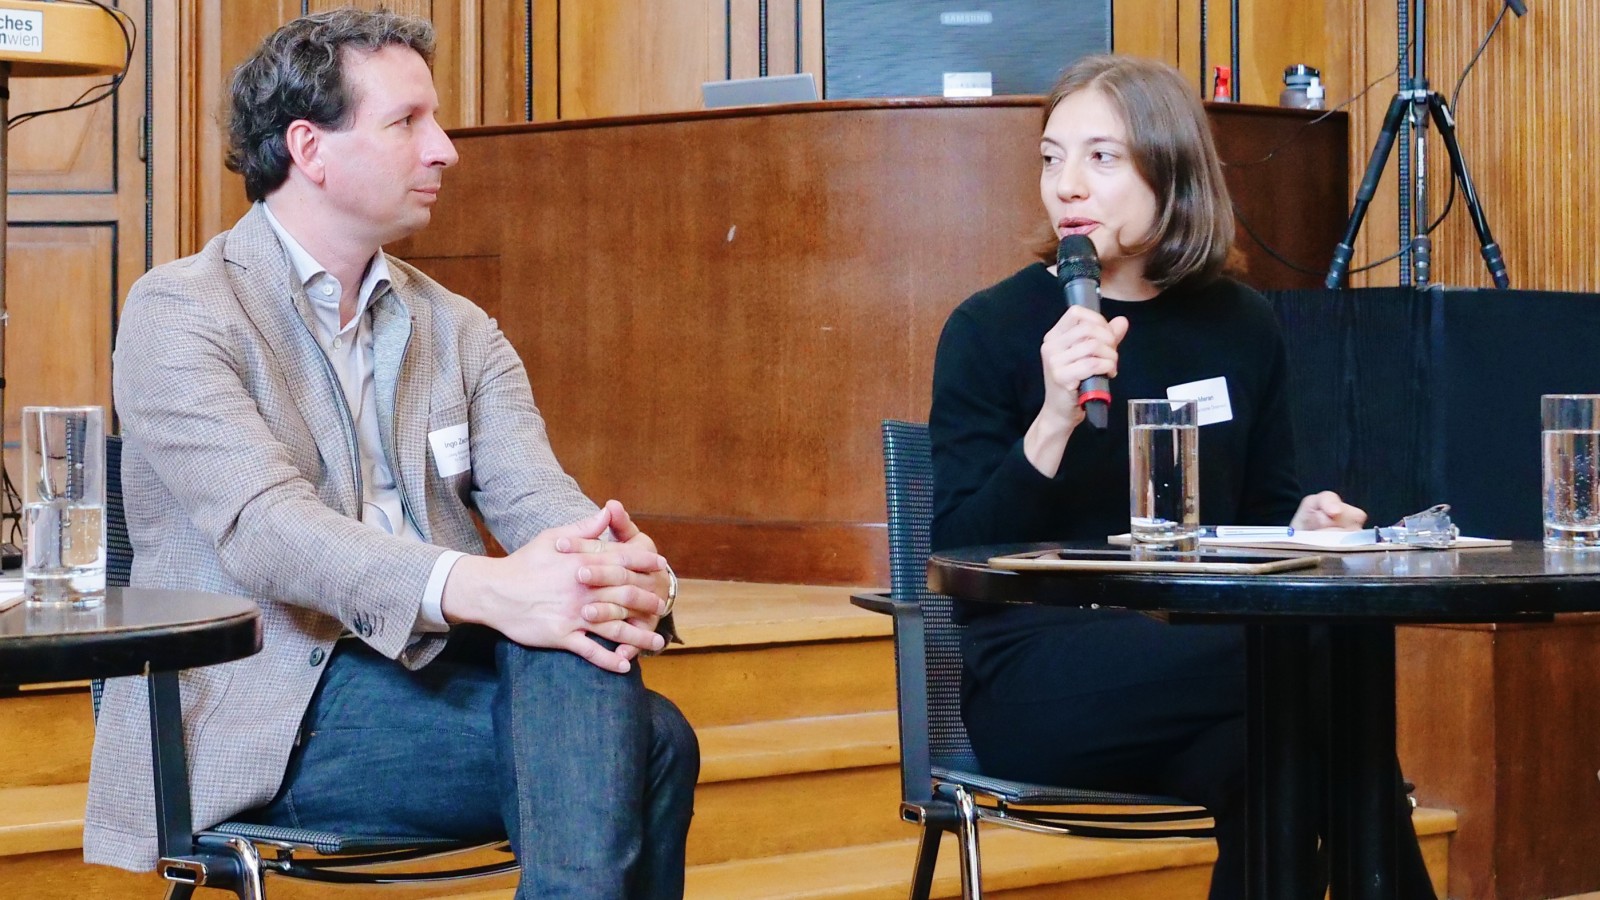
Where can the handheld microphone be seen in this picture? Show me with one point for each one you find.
(1078, 271)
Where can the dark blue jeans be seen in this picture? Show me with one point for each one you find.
(589, 775)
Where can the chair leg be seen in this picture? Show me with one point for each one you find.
(927, 858)
(252, 886)
(967, 841)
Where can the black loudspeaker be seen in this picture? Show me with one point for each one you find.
(906, 48)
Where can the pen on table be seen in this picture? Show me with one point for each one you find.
(1246, 531)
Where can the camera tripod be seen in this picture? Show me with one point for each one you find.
(1415, 102)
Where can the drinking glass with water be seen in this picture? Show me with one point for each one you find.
(63, 505)
(1571, 471)
(1164, 473)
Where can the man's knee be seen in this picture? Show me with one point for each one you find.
(565, 671)
(674, 747)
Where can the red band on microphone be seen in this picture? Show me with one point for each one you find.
(1085, 396)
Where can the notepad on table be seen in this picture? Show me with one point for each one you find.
(10, 591)
(1364, 540)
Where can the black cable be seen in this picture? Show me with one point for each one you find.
(1299, 133)
(1245, 224)
(1455, 95)
(130, 37)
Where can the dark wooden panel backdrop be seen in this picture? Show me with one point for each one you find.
(716, 309)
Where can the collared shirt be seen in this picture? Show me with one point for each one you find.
(349, 350)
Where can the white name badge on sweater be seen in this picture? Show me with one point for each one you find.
(452, 451)
(1211, 396)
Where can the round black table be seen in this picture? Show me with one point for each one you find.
(1358, 598)
(136, 627)
(137, 631)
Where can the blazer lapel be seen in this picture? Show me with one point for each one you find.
(264, 282)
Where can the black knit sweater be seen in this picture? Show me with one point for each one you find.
(988, 386)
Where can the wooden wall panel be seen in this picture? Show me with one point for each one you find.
(1445, 719)
(503, 63)
(61, 152)
(1271, 36)
(219, 43)
(630, 57)
(1500, 723)
(1146, 28)
(59, 293)
(218, 36)
(1528, 113)
(634, 56)
(75, 234)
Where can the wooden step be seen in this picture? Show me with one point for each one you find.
(43, 844)
(797, 785)
(757, 651)
(37, 819)
(45, 736)
(765, 652)
(741, 613)
(769, 787)
(767, 749)
(1016, 865)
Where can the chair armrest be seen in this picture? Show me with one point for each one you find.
(878, 603)
(911, 673)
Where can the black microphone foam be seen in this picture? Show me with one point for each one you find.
(1076, 258)
(1078, 273)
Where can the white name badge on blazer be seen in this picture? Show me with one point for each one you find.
(452, 450)
(1211, 396)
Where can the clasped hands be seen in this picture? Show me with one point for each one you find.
(566, 585)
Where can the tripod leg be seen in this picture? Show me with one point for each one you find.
(1492, 257)
(1369, 186)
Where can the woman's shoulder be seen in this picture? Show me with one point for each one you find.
(1022, 296)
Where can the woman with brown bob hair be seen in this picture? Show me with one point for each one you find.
(1110, 699)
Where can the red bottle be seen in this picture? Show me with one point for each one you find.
(1222, 84)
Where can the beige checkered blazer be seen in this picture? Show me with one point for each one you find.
(239, 469)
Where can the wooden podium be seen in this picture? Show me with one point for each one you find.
(716, 308)
(44, 40)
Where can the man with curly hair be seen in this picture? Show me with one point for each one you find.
(312, 423)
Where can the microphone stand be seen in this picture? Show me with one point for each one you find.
(1416, 103)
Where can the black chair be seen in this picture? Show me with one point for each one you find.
(236, 856)
(942, 786)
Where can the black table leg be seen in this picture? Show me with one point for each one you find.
(1364, 831)
(174, 831)
(1282, 773)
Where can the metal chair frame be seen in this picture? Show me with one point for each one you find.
(942, 786)
(236, 856)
